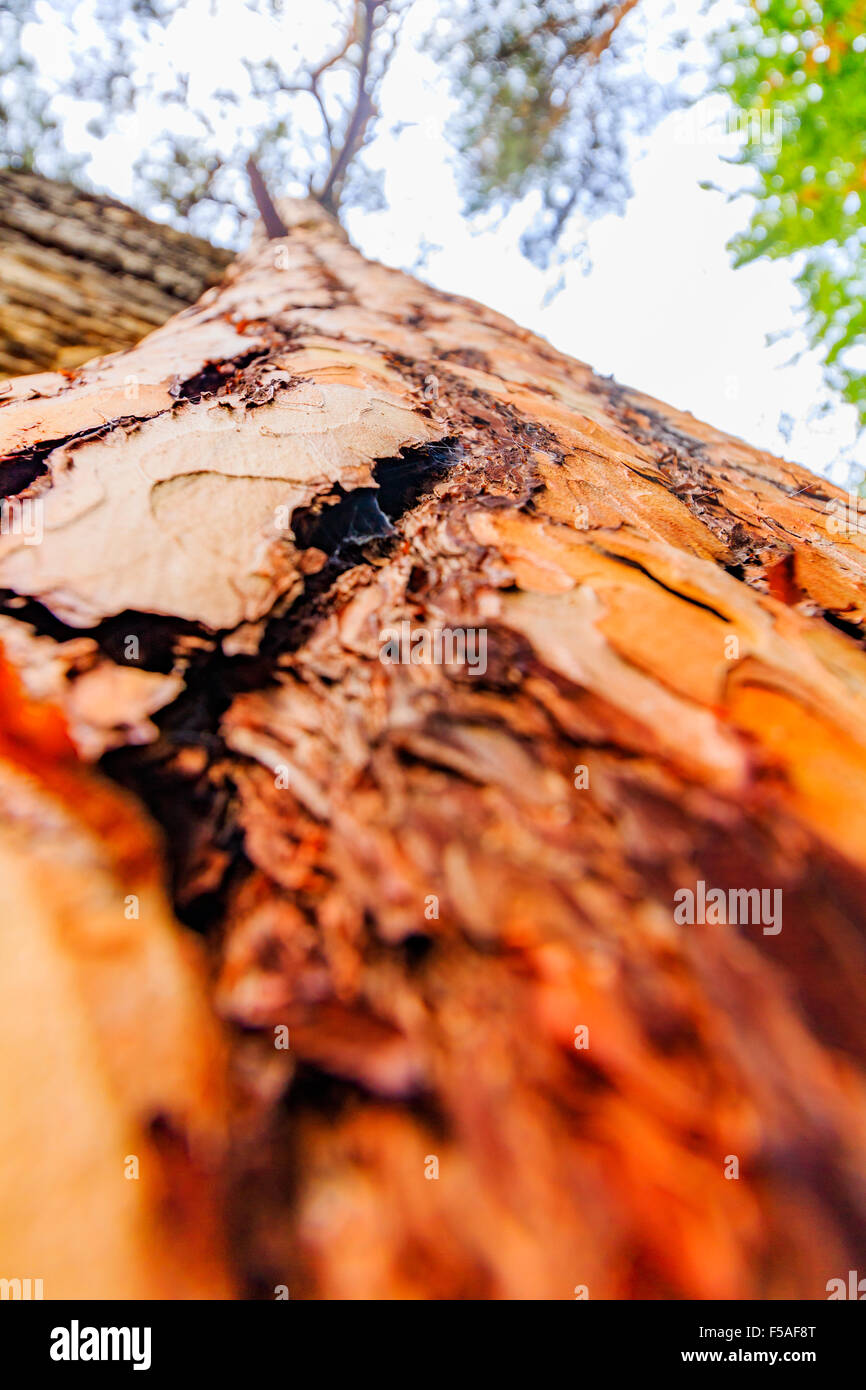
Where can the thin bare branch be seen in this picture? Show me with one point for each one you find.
(360, 115)
(602, 41)
(317, 95)
(274, 225)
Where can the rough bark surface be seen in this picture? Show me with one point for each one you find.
(399, 862)
(82, 274)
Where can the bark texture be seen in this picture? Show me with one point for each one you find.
(511, 1072)
(82, 274)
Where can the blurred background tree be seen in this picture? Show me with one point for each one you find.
(545, 91)
(547, 97)
(796, 72)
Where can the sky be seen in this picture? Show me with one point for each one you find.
(660, 307)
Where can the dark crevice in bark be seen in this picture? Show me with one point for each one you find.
(157, 636)
(470, 357)
(320, 1091)
(361, 520)
(369, 513)
(192, 813)
(737, 571)
(677, 593)
(18, 472)
(850, 629)
(30, 464)
(215, 378)
(341, 530)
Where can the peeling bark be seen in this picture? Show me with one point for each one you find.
(435, 876)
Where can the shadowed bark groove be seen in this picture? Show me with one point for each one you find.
(437, 876)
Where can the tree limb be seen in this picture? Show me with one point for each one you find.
(359, 117)
(273, 223)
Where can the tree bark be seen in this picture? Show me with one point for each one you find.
(451, 885)
(82, 274)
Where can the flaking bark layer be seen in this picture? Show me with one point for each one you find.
(436, 877)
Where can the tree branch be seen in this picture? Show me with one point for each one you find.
(359, 116)
(273, 223)
(602, 41)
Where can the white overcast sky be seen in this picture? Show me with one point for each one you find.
(661, 309)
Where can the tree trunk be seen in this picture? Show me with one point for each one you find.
(446, 668)
(82, 274)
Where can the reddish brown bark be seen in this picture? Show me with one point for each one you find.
(436, 877)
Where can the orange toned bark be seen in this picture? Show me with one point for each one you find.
(436, 876)
(111, 1068)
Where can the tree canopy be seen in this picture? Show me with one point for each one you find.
(542, 99)
(545, 96)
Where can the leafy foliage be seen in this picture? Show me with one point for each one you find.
(797, 72)
(546, 98)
